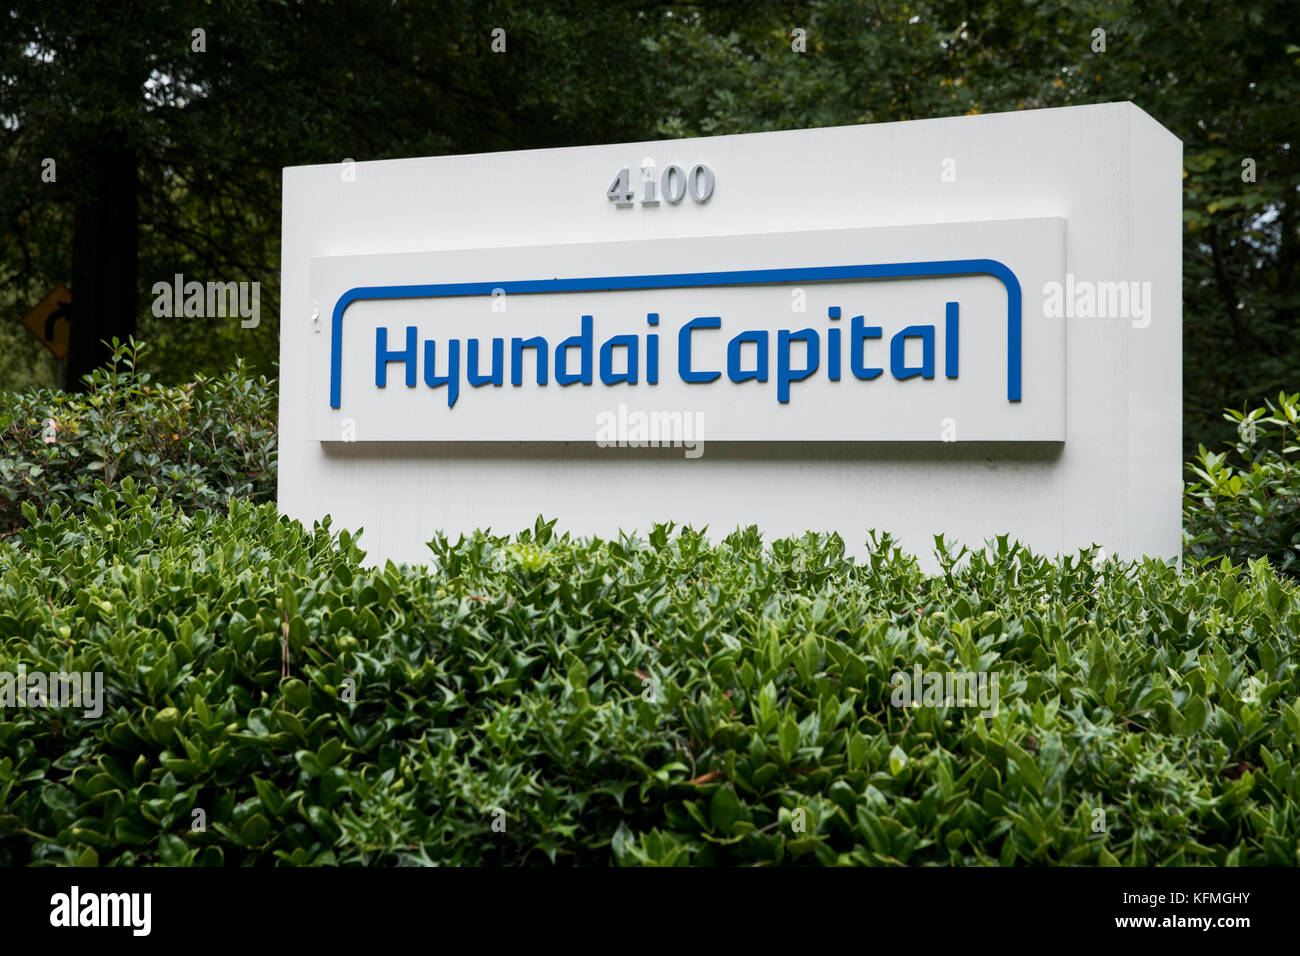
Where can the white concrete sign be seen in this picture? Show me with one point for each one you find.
(967, 326)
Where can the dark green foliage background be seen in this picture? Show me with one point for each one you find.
(297, 83)
(512, 677)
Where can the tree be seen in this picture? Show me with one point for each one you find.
(1225, 79)
(100, 87)
(169, 124)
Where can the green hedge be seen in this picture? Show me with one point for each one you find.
(1244, 502)
(658, 700)
(201, 443)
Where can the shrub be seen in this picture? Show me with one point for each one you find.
(200, 443)
(645, 700)
(1244, 503)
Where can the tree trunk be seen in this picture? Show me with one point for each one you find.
(105, 256)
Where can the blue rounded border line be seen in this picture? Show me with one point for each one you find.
(893, 270)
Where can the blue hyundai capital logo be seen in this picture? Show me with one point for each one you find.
(632, 368)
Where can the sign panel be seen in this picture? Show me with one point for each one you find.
(880, 334)
(50, 320)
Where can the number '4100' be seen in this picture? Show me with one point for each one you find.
(672, 185)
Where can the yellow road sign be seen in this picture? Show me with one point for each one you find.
(50, 321)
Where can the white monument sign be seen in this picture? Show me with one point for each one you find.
(968, 326)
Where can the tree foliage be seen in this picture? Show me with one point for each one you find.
(292, 83)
